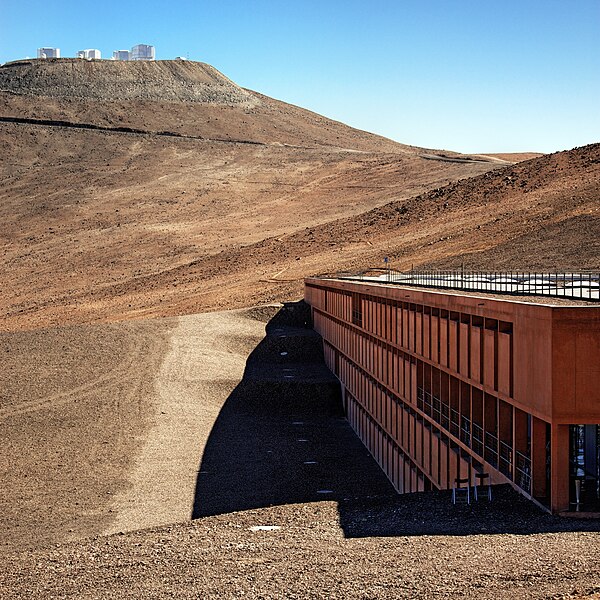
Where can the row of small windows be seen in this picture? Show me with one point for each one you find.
(474, 347)
(491, 428)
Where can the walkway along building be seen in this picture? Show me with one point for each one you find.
(442, 385)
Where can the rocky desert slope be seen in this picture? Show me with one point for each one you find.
(165, 81)
(231, 198)
(106, 202)
(144, 208)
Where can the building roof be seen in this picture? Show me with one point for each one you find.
(547, 300)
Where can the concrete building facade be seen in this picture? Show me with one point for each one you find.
(441, 386)
(142, 52)
(48, 52)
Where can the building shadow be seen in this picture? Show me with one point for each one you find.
(281, 438)
(432, 513)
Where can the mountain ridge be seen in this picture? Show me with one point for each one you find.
(127, 209)
(174, 80)
(172, 96)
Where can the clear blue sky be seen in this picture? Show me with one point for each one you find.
(466, 75)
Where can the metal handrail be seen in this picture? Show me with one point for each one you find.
(523, 471)
(465, 431)
(454, 422)
(491, 448)
(477, 439)
(505, 458)
(575, 285)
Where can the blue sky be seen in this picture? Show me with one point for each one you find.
(465, 75)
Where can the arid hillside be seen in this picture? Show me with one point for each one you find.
(540, 214)
(133, 190)
(130, 192)
(108, 203)
(177, 97)
(543, 213)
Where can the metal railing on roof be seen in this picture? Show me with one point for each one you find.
(580, 285)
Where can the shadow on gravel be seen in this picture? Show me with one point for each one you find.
(281, 438)
(432, 513)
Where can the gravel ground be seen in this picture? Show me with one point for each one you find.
(310, 557)
(75, 407)
(294, 506)
(103, 427)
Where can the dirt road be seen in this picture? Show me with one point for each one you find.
(204, 362)
(103, 426)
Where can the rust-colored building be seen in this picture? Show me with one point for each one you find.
(442, 385)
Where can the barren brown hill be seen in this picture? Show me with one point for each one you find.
(180, 97)
(542, 214)
(163, 189)
(105, 201)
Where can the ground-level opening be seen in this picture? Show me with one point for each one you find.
(584, 468)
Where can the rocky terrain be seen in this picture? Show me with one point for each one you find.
(170, 81)
(95, 214)
(307, 555)
(141, 203)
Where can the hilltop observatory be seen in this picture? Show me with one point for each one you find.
(48, 53)
(89, 54)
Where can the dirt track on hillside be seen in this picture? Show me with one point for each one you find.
(205, 361)
(103, 427)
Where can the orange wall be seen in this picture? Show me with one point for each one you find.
(576, 361)
(556, 349)
(544, 360)
(532, 343)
